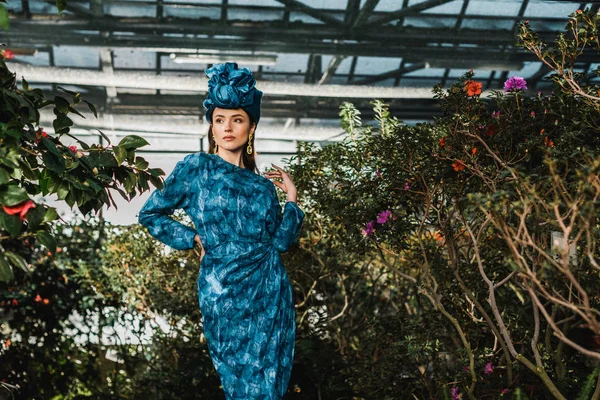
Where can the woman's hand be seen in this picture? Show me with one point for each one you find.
(197, 240)
(286, 185)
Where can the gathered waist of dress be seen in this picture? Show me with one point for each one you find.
(242, 244)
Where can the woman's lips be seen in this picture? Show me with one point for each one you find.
(229, 138)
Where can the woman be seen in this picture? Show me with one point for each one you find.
(244, 293)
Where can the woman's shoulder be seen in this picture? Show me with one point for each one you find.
(195, 159)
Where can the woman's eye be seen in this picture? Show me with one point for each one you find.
(239, 121)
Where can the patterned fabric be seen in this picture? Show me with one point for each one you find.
(244, 293)
(232, 87)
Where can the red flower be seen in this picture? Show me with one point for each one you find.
(442, 142)
(15, 302)
(458, 166)
(38, 298)
(46, 301)
(473, 88)
(7, 54)
(20, 209)
(73, 148)
(474, 151)
(548, 142)
(40, 134)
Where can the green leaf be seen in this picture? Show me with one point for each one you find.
(17, 261)
(104, 136)
(74, 111)
(47, 240)
(72, 93)
(130, 181)
(140, 163)
(26, 169)
(92, 109)
(53, 162)
(120, 154)
(62, 191)
(50, 215)
(11, 223)
(61, 5)
(12, 195)
(131, 142)
(6, 274)
(62, 104)
(4, 20)
(35, 216)
(4, 176)
(62, 123)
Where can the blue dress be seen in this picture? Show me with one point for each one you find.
(244, 292)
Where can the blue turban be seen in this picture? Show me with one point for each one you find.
(232, 87)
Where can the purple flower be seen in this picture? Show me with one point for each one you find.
(515, 83)
(369, 229)
(504, 391)
(465, 368)
(383, 216)
(454, 393)
(378, 173)
(533, 114)
(496, 114)
(407, 186)
(489, 367)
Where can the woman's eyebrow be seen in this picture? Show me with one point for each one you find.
(234, 115)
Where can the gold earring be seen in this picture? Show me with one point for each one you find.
(249, 149)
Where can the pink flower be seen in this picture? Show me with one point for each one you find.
(465, 368)
(515, 84)
(533, 114)
(378, 173)
(488, 369)
(406, 186)
(504, 391)
(369, 229)
(454, 393)
(383, 216)
(496, 114)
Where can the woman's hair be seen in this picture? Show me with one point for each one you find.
(249, 159)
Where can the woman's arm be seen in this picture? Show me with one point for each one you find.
(287, 226)
(155, 213)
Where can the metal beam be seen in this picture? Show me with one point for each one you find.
(194, 83)
(397, 73)
(352, 9)
(364, 13)
(74, 8)
(296, 5)
(403, 12)
(259, 31)
(394, 44)
(331, 68)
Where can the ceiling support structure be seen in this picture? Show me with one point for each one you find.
(121, 79)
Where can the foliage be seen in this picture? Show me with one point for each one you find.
(36, 163)
(426, 269)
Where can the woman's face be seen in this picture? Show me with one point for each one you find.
(231, 128)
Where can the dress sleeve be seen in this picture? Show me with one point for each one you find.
(288, 226)
(155, 213)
